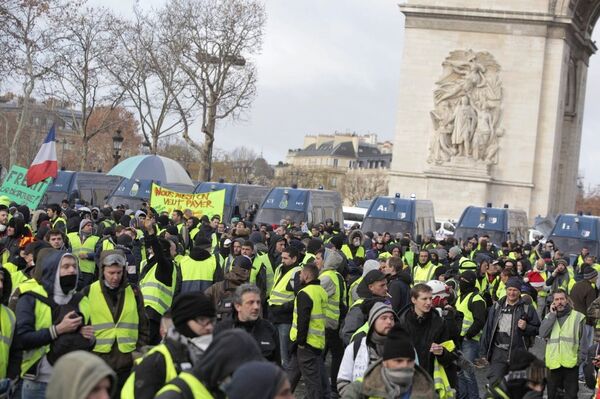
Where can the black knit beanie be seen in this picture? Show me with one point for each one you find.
(190, 306)
(398, 345)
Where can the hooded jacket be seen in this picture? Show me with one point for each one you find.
(399, 289)
(357, 315)
(228, 351)
(274, 256)
(27, 336)
(373, 385)
(219, 292)
(115, 299)
(331, 261)
(76, 374)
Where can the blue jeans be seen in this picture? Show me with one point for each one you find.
(284, 343)
(33, 390)
(467, 381)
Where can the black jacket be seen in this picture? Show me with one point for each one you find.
(304, 309)
(283, 314)
(399, 289)
(424, 331)
(479, 311)
(262, 330)
(517, 336)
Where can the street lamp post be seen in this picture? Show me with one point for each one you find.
(117, 140)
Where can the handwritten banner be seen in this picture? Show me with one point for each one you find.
(15, 188)
(209, 204)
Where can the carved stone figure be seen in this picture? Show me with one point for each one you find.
(467, 115)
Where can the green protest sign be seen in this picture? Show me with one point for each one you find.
(15, 188)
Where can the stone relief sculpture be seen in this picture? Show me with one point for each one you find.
(467, 115)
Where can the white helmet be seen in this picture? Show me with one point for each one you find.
(439, 289)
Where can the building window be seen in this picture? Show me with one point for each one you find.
(335, 163)
(334, 182)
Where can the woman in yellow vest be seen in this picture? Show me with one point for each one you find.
(117, 315)
(7, 328)
(228, 352)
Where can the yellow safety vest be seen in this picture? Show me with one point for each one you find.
(463, 307)
(440, 378)
(332, 311)
(128, 391)
(257, 263)
(157, 295)
(408, 258)
(43, 319)
(465, 264)
(308, 257)
(89, 245)
(360, 252)
(107, 245)
(198, 270)
(59, 219)
(501, 291)
(7, 332)
(351, 290)
(124, 330)
(424, 274)
(280, 295)
(563, 346)
(193, 384)
(316, 326)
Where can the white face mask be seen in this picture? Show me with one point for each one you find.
(356, 242)
(2, 228)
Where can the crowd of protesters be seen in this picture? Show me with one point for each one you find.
(106, 303)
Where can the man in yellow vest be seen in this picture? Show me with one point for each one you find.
(7, 330)
(182, 349)
(354, 250)
(83, 245)
(117, 315)
(57, 222)
(228, 352)
(158, 278)
(199, 269)
(281, 299)
(39, 321)
(308, 335)
(473, 308)
(424, 270)
(566, 346)
(328, 261)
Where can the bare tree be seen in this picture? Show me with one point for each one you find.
(213, 40)
(80, 76)
(361, 184)
(145, 69)
(27, 39)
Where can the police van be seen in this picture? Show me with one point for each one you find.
(500, 224)
(91, 187)
(300, 205)
(573, 232)
(239, 198)
(133, 192)
(400, 215)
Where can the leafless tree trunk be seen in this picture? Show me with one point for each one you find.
(80, 76)
(214, 40)
(25, 35)
(152, 83)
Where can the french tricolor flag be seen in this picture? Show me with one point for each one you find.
(45, 164)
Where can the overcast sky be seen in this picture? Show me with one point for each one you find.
(334, 65)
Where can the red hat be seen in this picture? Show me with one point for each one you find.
(535, 279)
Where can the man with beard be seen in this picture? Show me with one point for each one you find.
(424, 269)
(566, 345)
(236, 250)
(182, 349)
(560, 278)
(247, 303)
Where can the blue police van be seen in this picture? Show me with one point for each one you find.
(573, 232)
(400, 215)
(239, 198)
(91, 187)
(300, 205)
(500, 224)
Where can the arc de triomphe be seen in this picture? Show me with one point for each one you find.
(491, 103)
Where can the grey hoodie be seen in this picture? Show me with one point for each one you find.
(331, 261)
